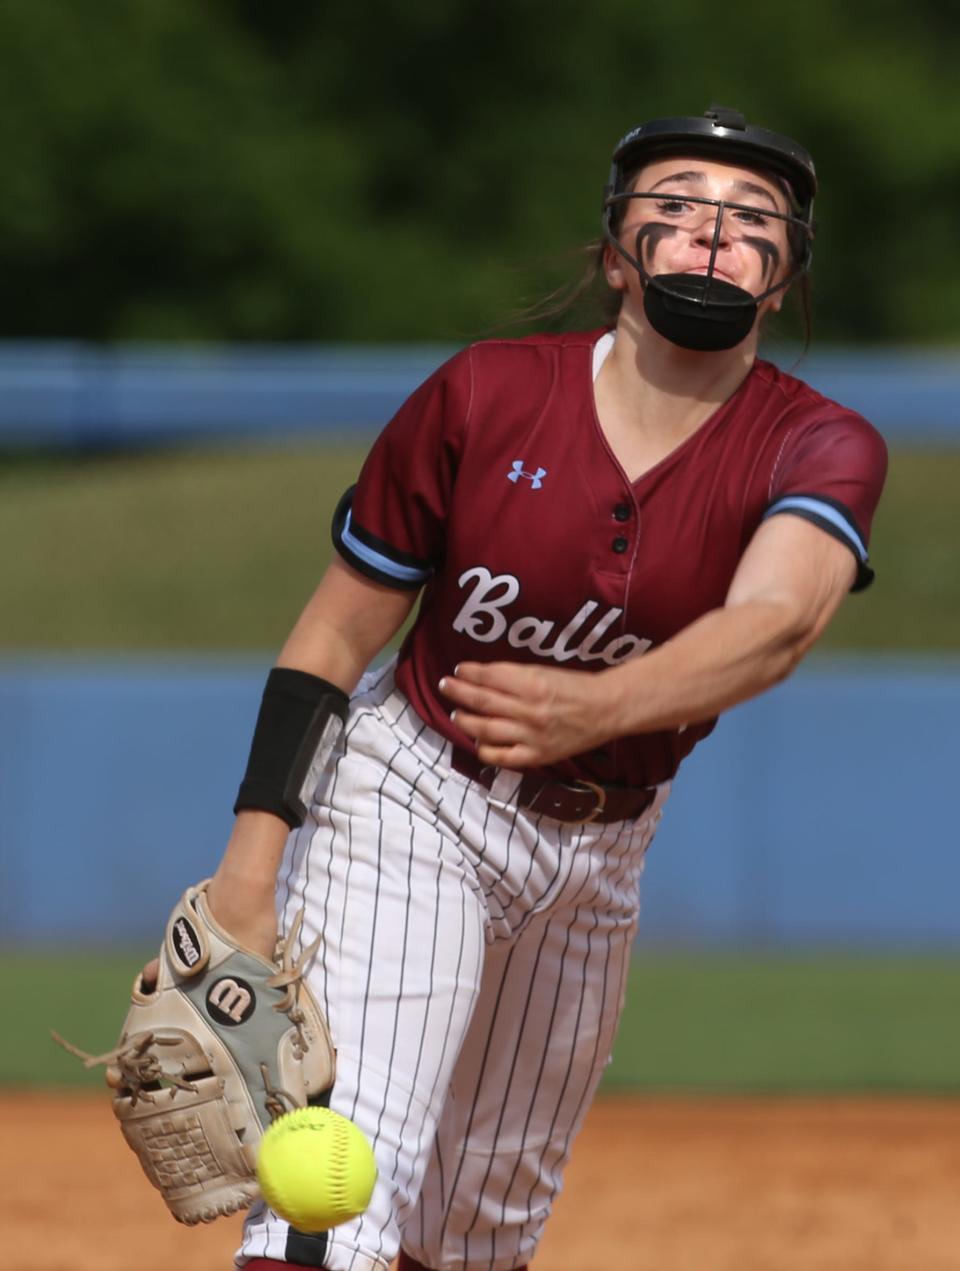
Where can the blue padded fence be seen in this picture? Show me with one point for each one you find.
(82, 396)
(822, 813)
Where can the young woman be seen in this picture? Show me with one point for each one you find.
(614, 536)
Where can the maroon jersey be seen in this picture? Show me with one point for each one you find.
(494, 489)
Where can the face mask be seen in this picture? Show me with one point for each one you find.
(696, 311)
(701, 311)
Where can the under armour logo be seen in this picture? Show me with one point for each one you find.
(535, 478)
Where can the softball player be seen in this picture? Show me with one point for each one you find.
(613, 536)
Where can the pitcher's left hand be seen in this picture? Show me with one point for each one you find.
(529, 716)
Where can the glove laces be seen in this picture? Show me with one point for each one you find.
(289, 977)
(132, 1067)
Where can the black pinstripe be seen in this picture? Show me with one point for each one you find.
(396, 1018)
(483, 1066)
(510, 1076)
(561, 1150)
(447, 1028)
(570, 927)
(491, 887)
(373, 929)
(325, 908)
(559, 984)
(550, 898)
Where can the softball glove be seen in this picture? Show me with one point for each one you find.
(224, 1043)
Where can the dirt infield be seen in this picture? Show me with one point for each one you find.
(680, 1184)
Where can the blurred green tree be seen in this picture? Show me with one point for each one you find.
(311, 171)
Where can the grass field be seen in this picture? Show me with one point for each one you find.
(721, 1023)
(219, 549)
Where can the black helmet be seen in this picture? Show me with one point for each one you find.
(700, 311)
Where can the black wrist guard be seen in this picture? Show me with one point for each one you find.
(300, 719)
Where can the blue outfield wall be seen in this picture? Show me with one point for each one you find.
(822, 813)
(81, 396)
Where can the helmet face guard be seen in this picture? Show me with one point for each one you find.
(703, 311)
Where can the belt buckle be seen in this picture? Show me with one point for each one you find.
(599, 793)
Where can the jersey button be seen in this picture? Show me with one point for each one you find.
(621, 512)
(619, 544)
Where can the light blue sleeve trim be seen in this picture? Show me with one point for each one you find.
(824, 510)
(377, 560)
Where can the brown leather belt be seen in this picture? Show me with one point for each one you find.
(577, 801)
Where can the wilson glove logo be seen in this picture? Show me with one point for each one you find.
(518, 471)
(231, 1001)
(186, 945)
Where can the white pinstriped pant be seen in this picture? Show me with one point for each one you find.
(472, 969)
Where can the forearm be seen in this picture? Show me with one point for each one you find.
(344, 625)
(725, 657)
(321, 648)
(254, 849)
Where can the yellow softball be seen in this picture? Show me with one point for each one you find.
(315, 1169)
